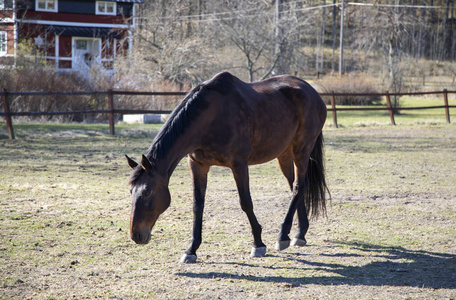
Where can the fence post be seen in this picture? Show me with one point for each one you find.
(9, 123)
(390, 108)
(333, 106)
(111, 112)
(447, 108)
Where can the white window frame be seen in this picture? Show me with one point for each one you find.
(46, 4)
(4, 5)
(3, 43)
(105, 5)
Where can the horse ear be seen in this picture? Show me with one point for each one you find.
(145, 163)
(131, 162)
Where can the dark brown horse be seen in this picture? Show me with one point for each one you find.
(227, 122)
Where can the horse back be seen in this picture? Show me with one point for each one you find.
(259, 120)
(304, 98)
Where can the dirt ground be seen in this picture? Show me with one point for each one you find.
(389, 234)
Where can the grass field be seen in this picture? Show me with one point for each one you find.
(390, 231)
(404, 117)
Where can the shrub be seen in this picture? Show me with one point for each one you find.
(132, 82)
(37, 78)
(353, 83)
(49, 80)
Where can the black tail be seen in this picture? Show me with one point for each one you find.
(316, 187)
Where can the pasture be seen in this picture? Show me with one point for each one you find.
(390, 230)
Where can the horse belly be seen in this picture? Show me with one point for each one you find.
(270, 139)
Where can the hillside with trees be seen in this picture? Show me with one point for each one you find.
(186, 41)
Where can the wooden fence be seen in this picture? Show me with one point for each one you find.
(389, 106)
(111, 111)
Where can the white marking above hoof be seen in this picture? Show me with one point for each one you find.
(298, 242)
(188, 259)
(258, 252)
(282, 245)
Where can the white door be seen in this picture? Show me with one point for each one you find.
(86, 53)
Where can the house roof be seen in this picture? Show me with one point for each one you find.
(84, 31)
(129, 1)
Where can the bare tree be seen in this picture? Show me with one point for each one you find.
(319, 61)
(166, 46)
(190, 40)
(389, 30)
(253, 33)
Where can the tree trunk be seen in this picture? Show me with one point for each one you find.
(322, 42)
(279, 37)
(333, 59)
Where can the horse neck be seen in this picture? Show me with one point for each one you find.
(167, 156)
(180, 133)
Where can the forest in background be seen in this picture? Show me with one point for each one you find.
(187, 41)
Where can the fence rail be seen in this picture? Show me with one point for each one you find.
(112, 111)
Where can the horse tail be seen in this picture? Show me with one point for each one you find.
(316, 183)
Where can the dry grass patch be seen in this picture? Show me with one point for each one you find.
(64, 208)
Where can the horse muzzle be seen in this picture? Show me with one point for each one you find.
(141, 227)
(141, 237)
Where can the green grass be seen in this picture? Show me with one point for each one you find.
(64, 220)
(30, 130)
(404, 117)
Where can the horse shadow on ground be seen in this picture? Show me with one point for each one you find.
(389, 266)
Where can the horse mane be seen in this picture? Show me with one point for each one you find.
(181, 117)
(178, 121)
(188, 110)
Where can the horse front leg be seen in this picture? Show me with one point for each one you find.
(241, 176)
(199, 176)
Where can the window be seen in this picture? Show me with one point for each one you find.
(6, 4)
(46, 5)
(3, 48)
(81, 45)
(106, 8)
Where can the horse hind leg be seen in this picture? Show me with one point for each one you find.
(297, 204)
(283, 240)
(311, 180)
(299, 240)
(286, 164)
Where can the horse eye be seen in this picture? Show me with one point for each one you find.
(147, 193)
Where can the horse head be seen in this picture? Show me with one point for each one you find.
(150, 198)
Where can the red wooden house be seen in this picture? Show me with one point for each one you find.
(72, 35)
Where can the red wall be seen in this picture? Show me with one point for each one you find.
(31, 31)
(34, 15)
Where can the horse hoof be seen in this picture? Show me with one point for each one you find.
(258, 252)
(298, 242)
(188, 259)
(282, 245)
